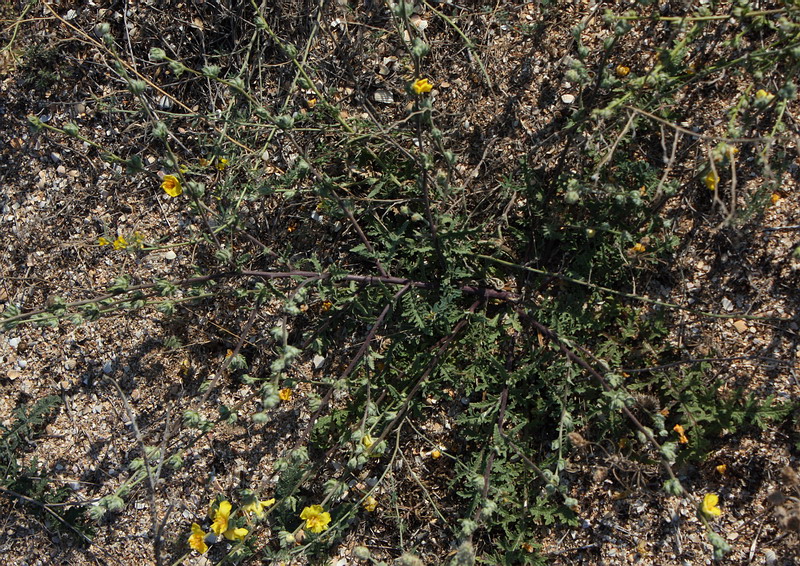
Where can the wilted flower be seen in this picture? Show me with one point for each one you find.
(421, 86)
(316, 519)
(709, 506)
(197, 540)
(711, 180)
(370, 503)
(681, 436)
(171, 185)
(764, 96)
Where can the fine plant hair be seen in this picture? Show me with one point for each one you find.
(391, 267)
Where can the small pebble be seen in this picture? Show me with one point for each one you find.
(740, 326)
(170, 255)
(22, 364)
(108, 367)
(568, 98)
(13, 342)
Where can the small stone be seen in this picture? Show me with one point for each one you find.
(70, 363)
(318, 361)
(108, 367)
(22, 364)
(61, 170)
(13, 342)
(170, 255)
(567, 98)
(740, 326)
(727, 304)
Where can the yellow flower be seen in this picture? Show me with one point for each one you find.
(326, 306)
(711, 180)
(436, 453)
(421, 86)
(774, 198)
(120, 243)
(316, 519)
(197, 540)
(681, 436)
(103, 241)
(285, 394)
(257, 507)
(221, 517)
(762, 94)
(722, 469)
(171, 185)
(370, 503)
(222, 163)
(709, 506)
(235, 534)
(367, 441)
(622, 71)
(638, 248)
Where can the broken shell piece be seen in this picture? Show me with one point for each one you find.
(383, 96)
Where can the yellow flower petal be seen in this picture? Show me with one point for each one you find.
(622, 71)
(103, 241)
(285, 394)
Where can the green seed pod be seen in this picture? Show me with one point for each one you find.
(157, 54)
